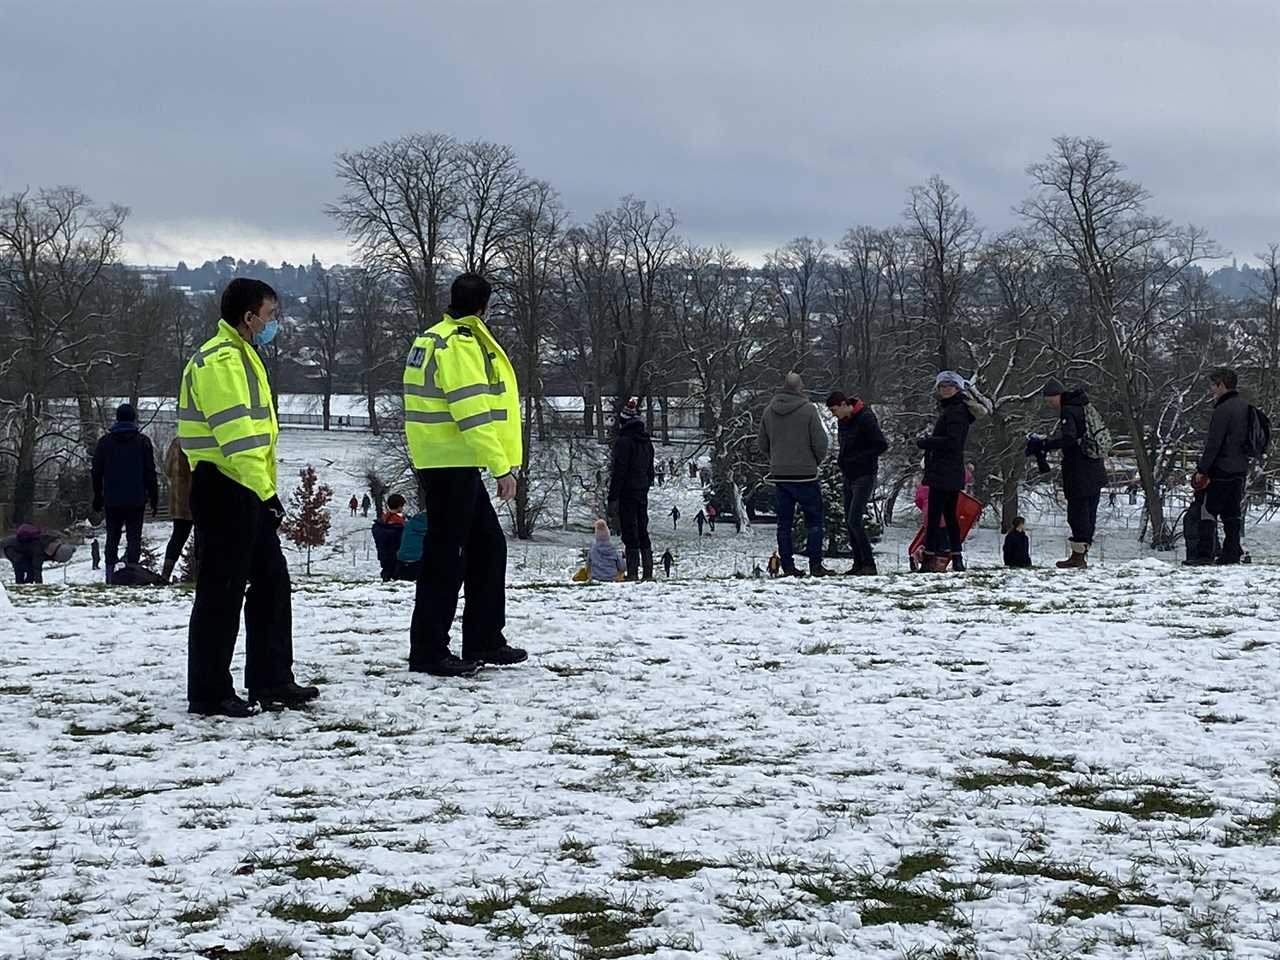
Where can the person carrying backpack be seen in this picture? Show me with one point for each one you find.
(1084, 440)
(1237, 432)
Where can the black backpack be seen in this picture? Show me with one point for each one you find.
(1257, 435)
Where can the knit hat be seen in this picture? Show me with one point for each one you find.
(126, 414)
(602, 531)
(1053, 388)
(951, 377)
(632, 409)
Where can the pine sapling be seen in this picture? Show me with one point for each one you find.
(306, 520)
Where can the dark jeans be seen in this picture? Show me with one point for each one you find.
(464, 548)
(178, 540)
(808, 495)
(130, 519)
(942, 511)
(239, 549)
(857, 492)
(1082, 517)
(633, 517)
(1223, 500)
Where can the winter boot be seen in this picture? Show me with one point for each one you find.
(1232, 551)
(934, 562)
(448, 665)
(166, 572)
(646, 563)
(633, 564)
(816, 569)
(286, 695)
(867, 569)
(1076, 560)
(957, 562)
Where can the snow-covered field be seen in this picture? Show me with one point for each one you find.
(1001, 764)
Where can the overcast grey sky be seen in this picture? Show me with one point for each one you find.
(217, 122)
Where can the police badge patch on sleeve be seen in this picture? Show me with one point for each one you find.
(417, 356)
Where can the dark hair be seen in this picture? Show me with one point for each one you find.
(469, 295)
(1226, 376)
(244, 295)
(395, 501)
(1019, 521)
(835, 398)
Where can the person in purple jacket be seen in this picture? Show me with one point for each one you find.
(603, 560)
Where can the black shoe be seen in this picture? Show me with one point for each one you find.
(818, 570)
(233, 706)
(957, 563)
(1199, 562)
(447, 666)
(794, 572)
(285, 695)
(503, 656)
(867, 570)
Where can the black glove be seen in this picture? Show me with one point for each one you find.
(276, 509)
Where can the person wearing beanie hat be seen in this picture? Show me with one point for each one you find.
(604, 563)
(944, 471)
(630, 478)
(1084, 471)
(124, 482)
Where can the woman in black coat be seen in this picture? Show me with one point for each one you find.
(944, 467)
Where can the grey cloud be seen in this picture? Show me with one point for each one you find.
(754, 121)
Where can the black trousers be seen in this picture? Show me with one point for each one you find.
(1223, 500)
(1082, 517)
(130, 520)
(633, 516)
(464, 548)
(942, 510)
(178, 539)
(857, 493)
(239, 550)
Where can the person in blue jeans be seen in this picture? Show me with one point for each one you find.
(794, 441)
(861, 444)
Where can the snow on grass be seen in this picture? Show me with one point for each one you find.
(993, 765)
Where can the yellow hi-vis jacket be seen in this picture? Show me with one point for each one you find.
(461, 404)
(225, 413)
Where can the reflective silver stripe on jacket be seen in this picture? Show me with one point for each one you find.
(428, 416)
(201, 354)
(480, 419)
(197, 443)
(246, 443)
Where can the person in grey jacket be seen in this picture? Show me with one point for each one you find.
(604, 563)
(794, 441)
(1220, 473)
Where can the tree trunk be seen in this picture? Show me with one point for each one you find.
(664, 407)
(328, 397)
(373, 412)
(24, 484)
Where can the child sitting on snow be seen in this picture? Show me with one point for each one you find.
(1017, 545)
(604, 562)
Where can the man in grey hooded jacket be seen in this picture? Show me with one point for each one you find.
(794, 441)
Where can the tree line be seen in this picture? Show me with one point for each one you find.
(1091, 285)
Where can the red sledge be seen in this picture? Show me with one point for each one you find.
(967, 510)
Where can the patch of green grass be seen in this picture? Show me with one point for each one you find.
(15, 690)
(509, 819)
(913, 865)
(657, 863)
(193, 915)
(573, 903)
(1037, 761)
(1089, 903)
(319, 868)
(1258, 830)
(1145, 804)
(119, 792)
(894, 903)
(660, 818)
(259, 948)
(579, 851)
(383, 899)
(1007, 777)
(134, 726)
(481, 910)
(819, 647)
(300, 911)
(1050, 869)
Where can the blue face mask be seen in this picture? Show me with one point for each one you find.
(268, 333)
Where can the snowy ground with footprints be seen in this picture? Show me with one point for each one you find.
(992, 765)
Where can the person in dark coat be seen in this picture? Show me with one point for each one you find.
(365, 504)
(667, 561)
(944, 470)
(388, 530)
(675, 517)
(95, 553)
(1221, 471)
(1017, 545)
(124, 482)
(629, 483)
(30, 548)
(700, 519)
(1083, 477)
(861, 444)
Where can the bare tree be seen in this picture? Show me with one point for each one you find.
(400, 204)
(324, 331)
(54, 246)
(1129, 261)
(371, 336)
(492, 190)
(795, 272)
(859, 297)
(947, 238)
(589, 290)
